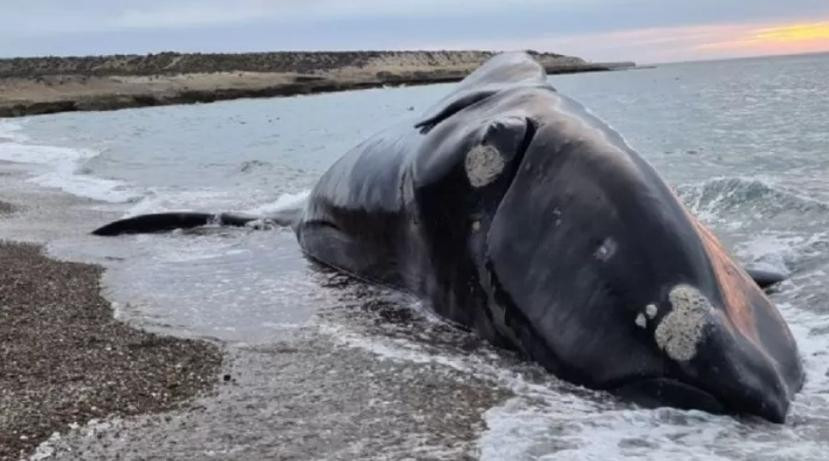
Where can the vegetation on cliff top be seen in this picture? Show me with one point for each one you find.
(168, 63)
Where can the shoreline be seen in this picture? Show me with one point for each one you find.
(31, 86)
(65, 360)
(294, 393)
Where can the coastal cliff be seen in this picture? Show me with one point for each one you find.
(57, 84)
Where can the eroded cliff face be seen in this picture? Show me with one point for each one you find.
(291, 62)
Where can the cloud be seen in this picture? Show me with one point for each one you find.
(795, 32)
(671, 44)
(36, 17)
(97, 15)
(182, 15)
(770, 39)
(641, 30)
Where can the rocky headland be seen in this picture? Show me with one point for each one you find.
(58, 84)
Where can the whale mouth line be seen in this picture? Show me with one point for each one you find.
(656, 392)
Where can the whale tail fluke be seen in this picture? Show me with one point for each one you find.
(170, 221)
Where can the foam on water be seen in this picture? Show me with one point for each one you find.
(283, 202)
(528, 428)
(767, 225)
(58, 167)
(10, 131)
(520, 377)
(157, 200)
(236, 285)
(90, 430)
(736, 202)
(780, 252)
(551, 419)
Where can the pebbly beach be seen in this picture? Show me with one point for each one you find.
(64, 359)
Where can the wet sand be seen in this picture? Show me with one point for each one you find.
(64, 359)
(312, 393)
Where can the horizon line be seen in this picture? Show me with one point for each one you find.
(431, 50)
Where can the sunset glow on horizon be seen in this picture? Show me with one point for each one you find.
(645, 31)
(655, 45)
(768, 40)
(796, 32)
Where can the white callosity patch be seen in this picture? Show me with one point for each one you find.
(556, 217)
(483, 165)
(641, 321)
(643, 317)
(681, 330)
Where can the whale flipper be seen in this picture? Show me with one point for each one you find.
(169, 221)
(165, 222)
(765, 279)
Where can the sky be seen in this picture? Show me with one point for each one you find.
(645, 31)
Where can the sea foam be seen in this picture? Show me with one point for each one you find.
(59, 167)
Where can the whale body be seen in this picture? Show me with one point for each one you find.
(510, 209)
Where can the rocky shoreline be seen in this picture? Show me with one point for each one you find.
(47, 85)
(64, 359)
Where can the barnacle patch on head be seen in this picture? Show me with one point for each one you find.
(641, 321)
(483, 165)
(679, 332)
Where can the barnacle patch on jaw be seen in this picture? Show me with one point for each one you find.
(681, 330)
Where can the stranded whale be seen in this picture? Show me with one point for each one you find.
(512, 210)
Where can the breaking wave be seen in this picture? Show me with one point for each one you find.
(738, 200)
(59, 167)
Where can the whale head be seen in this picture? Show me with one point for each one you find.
(587, 261)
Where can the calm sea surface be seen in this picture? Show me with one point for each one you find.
(327, 368)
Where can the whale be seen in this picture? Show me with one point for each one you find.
(511, 210)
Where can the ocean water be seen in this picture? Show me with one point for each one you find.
(325, 367)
